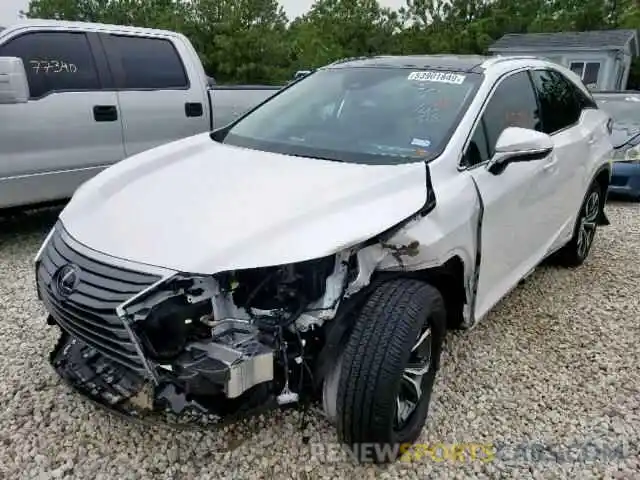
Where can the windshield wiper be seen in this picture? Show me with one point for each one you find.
(315, 157)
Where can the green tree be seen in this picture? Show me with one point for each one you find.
(169, 14)
(335, 29)
(238, 40)
(242, 40)
(251, 41)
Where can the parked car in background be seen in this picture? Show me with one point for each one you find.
(321, 245)
(624, 109)
(77, 97)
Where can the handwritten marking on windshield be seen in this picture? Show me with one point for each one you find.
(440, 77)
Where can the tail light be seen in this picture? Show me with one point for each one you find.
(610, 126)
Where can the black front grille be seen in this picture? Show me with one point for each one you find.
(89, 312)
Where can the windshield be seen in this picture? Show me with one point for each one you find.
(360, 115)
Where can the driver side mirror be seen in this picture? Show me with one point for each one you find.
(517, 144)
(14, 87)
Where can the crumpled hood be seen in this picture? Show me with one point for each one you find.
(197, 206)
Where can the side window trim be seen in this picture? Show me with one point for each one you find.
(480, 118)
(100, 79)
(117, 69)
(564, 79)
(537, 95)
(100, 59)
(485, 134)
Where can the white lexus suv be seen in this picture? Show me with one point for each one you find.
(319, 247)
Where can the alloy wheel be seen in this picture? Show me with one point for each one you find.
(588, 223)
(412, 382)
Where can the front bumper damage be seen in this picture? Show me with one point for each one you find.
(220, 370)
(210, 349)
(125, 392)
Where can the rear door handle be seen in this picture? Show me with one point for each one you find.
(105, 113)
(193, 109)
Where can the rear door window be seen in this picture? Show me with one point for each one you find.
(560, 106)
(145, 63)
(54, 61)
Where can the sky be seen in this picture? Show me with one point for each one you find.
(9, 8)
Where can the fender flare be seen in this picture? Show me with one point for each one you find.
(339, 330)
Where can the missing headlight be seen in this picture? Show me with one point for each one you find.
(171, 325)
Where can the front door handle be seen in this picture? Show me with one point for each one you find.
(193, 109)
(105, 113)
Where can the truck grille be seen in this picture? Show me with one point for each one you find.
(88, 312)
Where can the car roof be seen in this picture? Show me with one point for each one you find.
(457, 63)
(445, 62)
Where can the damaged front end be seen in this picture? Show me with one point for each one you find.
(218, 345)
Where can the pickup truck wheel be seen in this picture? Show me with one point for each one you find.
(389, 367)
(575, 252)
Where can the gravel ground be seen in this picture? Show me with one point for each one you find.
(554, 365)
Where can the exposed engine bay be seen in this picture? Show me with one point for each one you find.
(220, 344)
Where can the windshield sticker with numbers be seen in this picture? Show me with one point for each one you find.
(440, 77)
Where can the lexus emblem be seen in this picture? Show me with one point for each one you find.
(66, 279)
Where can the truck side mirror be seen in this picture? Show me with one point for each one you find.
(14, 87)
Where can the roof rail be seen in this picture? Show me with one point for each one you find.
(503, 58)
(350, 59)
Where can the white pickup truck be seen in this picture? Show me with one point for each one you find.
(77, 97)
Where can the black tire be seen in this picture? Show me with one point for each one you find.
(377, 353)
(574, 253)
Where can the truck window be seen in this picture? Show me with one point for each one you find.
(54, 61)
(145, 63)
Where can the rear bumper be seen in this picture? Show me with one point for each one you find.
(625, 180)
